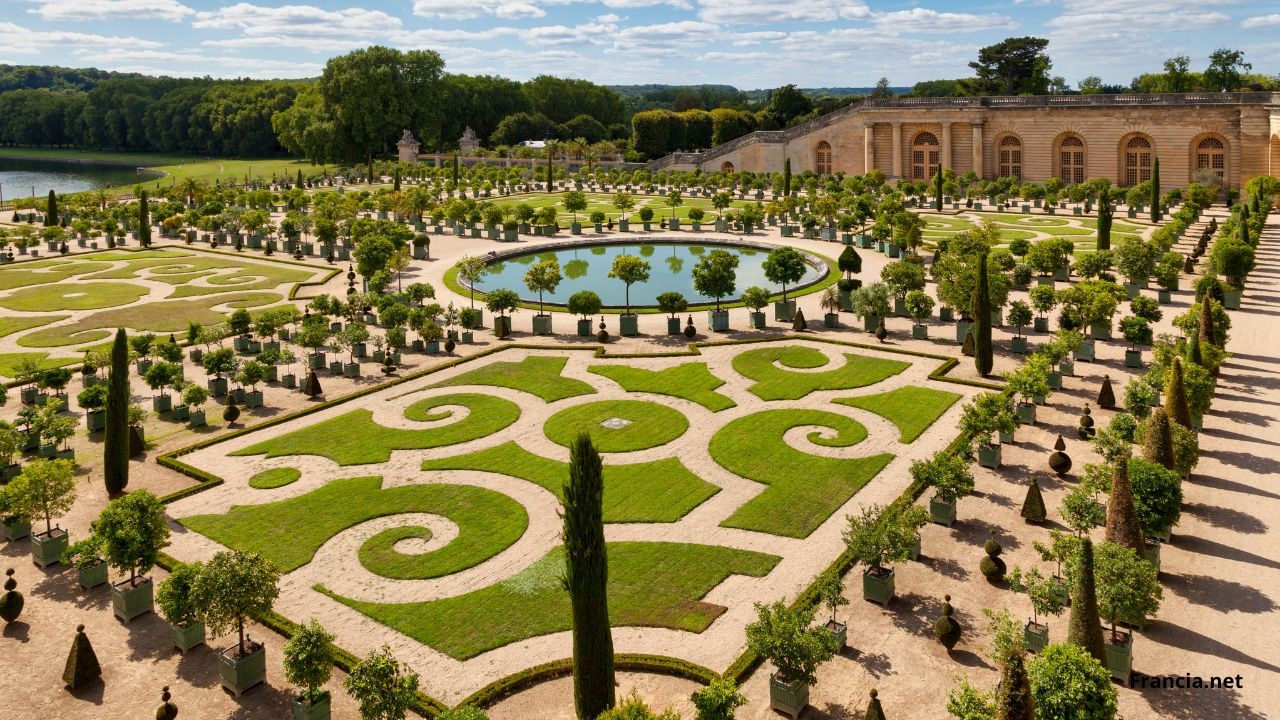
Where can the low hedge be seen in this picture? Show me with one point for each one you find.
(658, 664)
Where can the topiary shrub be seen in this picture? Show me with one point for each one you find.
(1033, 510)
(798, 324)
(12, 601)
(1106, 396)
(311, 387)
(82, 663)
(947, 629)
(967, 348)
(1059, 461)
(231, 413)
(881, 331)
(991, 566)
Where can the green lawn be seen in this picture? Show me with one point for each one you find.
(73, 296)
(354, 438)
(650, 425)
(912, 409)
(650, 585)
(803, 489)
(537, 374)
(225, 274)
(691, 381)
(774, 383)
(289, 532)
(379, 556)
(11, 325)
(9, 362)
(659, 491)
(274, 478)
(44, 272)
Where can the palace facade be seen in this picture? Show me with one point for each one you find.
(1074, 137)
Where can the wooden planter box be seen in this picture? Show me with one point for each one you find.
(14, 529)
(92, 576)
(1018, 345)
(629, 325)
(318, 710)
(839, 631)
(718, 321)
(989, 456)
(920, 332)
(673, 326)
(541, 324)
(187, 635)
(129, 602)
(962, 329)
(1118, 648)
(197, 418)
(217, 386)
(1133, 358)
(1026, 413)
(784, 311)
(756, 320)
(241, 673)
(878, 588)
(832, 320)
(787, 698)
(1036, 636)
(95, 420)
(46, 548)
(942, 512)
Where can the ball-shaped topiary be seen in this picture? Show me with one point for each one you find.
(947, 629)
(1086, 429)
(231, 413)
(12, 601)
(1033, 509)
(689, 329)
(1059, 461)
(881, 331)
(991, 566)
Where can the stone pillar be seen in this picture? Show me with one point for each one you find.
(947, 161)
(977, 149)
(897, 149)
(868, 148)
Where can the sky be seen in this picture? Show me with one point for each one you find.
(746, 43)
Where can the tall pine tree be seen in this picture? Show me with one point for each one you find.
(115, 442)
(1155, 191)
(982, 352)
(51, 212)
(586, 578)
(1207, 331)
(1085, 626)
(937, 190)
(786, 178)
(1104, 219)
(144, 220)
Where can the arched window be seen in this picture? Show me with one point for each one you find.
(1011, 157)
(1071, 160)
(925, 154)
(1211, 155)
(822, 158)
(1137, 161)
(726, 167)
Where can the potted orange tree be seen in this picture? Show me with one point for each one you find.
(876, 538)
(951, 480)
(132, 531)
(233, 587)
(786, 637)
(175, 600)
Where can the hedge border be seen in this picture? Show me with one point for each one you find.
(503, 687)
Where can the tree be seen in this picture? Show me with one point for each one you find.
(786, 104)
(1157, 442)
(51, 217)
(384, 689)
(1068, 684)
(882, 89)
(115, 443)
(1155, 190)
(144, 220)
(1014, 66)
(784, 265)
(849, 262)
(1122, 517)
(543, 277)
(373, 254)
(586, 578)
(575, 202)
(1091, 85)
(1225, 69)
(786, 637)
(715, 275)
(308, 660)
(471, 268)
(786, 178)
(630, 270)
(983, 355)
(133, 531)
(45, 489)
(1013, 695)
(1085, 628)
(1175, 395)
(232, 587)
(718, 700)
(371, 95)
(1104, 218)
(1177, 79)
(1127, 586)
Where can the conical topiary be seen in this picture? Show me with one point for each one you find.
(1085, 429)
(311, 387)
(231, 413)
(1193, 348)
(167, 710)
(881, 331)
(1033, 510)
(1122, 517)
(1175, 396)
(966, 348)
(1059, 461)
(12, 601)
(991, 566)
(1013, 694)
(1157, 446)
(798, 323)
(1107, 396)
(1207, 331)
(1085, 627)
(82, 663)
(874, 711)
(947, 629)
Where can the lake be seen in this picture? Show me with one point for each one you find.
(18, 177)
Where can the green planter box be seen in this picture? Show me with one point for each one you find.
(240, 674)
(755, 320)
(629, 325)
(788, 698)
(351, 370)
(187, 636)
(900, 307)
(1085, 352)
(217, 386)
(129, 602)
(46, 548)
(920, 332)
(1231, 299)
(162, 403)
(1036, 636)
(962, 329)
(1119, 653)
(942, 512)
(1100, 331)
(316, 361)
(1133, 358)
(1066, 368)
(15, 529)
(878, 588)
(197, 419)
(989, 455)
(318, 710)
(946, 314)
(839, 631)
(718, 321)
(1018, 345)
(1151, 553)
(541, 324)
(1054, 380)
(1164, 297)
(93, 575)
(181, 413)
(831, 320)
(846, 300)
(870, 322)
(95, 420)
(253, 399)
(237, 395)
(784, 311)
(673, 326)
(1026, 413)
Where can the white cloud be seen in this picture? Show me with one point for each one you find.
(1261, 21)
(84, 10)
(771, 12)
(610, 18)
(624, 4)
(21, 40)
(297, 21)
(664, 38)
(553, 35)
(466, 9)
(923, 20)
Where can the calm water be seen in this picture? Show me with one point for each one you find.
(671, 266)
(19, 176)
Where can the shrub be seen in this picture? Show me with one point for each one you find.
(1157, 495)
(82, 667)
(308, 660)
(12, 601)
(173, 594)
(382, 688)
(991, 566)
(947, 629)
(232, 587)
(1068, 684)
(879, 536)
(947, 473)
(1033, 510)
(133, 531)
(786, 637)
(718, 701)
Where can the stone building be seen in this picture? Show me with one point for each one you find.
(1074, 137)
(468, 143)
(407, 148)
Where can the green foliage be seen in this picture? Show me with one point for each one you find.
(775, 383)
(463, 712)
(133, 531)
(947, 629)
(1081, 511)
(878, 537)
(982, 351)
(543, 277)
(1157, 445)
(45, 489)
(1042, 591)
(1085, 627)
(1127, 586)
(501, 301)
(630, 270)
(12, 601)
(584, 304)
(1033, 509)
(910, 408)
(849, 262)
(633, 708)
(308, 660)
(672, 303)
(947, 473)
(717, 701)
(1157, 495)
(755, 298)
(1068, 684)
(784, 265)
(538, 375)
(383, 689)
(871, 301)
(586, 579)
(715, 274)
(232, 587)
(690, 381)
(82, 668)
(115, 442)
(787, 638)
(965, 702)
(174, 595)
(1122, 517)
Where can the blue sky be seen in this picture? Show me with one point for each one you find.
(746, 43)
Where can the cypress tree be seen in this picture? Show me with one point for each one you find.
(874, 711)
(1155, 191)
(1157, 446)
(786, 178)
(1033, 510)
(1106, 396)
(1013, 697)
(396, 180)
(298, 184)
(115, 441)
(1122, 516)
(144, 220)
(1193, 349)
(1175, 396)
(982, 352)
(937, 190)
(586, 578)
(1206, 321)
(455, 168)
(82, 663)
(1244, 226)
(1085, 626)
(1104, 219)
(51, 214)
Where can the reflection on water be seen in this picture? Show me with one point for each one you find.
(20, 177)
